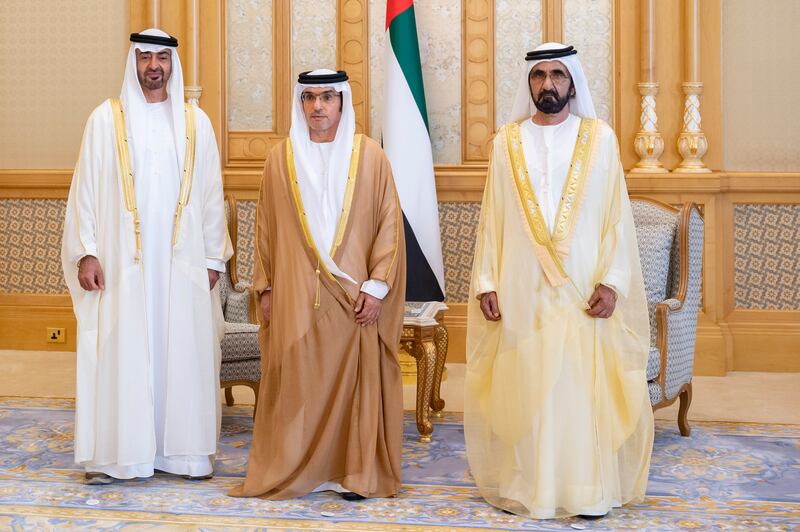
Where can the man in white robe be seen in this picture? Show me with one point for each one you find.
(557, 415)
(144, 239)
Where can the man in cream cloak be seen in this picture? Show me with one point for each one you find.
(329, 238)
(146, 200)
(557, 415)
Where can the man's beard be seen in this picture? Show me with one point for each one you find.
(152, 85)
(549, 103)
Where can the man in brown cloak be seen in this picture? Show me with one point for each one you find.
(330, 273)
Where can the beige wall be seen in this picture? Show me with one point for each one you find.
(761, 76)
(58, 63)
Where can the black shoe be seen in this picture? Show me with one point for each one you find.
(592, 517)
(201, 477)
(97, 479)
(350, 496)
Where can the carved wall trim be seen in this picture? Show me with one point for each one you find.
(477, 90)
(352, 54)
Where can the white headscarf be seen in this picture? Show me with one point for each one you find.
(338, 166)
(134, 103)
(581, 105)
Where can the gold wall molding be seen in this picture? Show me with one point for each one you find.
(454, 182)
(352, 54)
(477, 89)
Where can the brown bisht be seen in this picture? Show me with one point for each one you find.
(330, 408)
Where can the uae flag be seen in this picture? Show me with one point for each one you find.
(407, 143)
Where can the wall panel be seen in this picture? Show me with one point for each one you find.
(588, 26)
(518, 29)
(249, 60)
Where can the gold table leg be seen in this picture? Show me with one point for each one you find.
(425, 353)
(441, 339)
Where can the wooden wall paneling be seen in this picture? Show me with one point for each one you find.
(711, 76)
(627, 55)
(477, 88)
(24, 319)
(282, 82)
(552, 20)
(35, 184)
(213, 71)
(352, 54)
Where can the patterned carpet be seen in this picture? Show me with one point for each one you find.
(726, 476)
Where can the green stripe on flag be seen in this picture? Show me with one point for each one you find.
(403, 36)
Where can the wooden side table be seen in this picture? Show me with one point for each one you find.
(425, 339)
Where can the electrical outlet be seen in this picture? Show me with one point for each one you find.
(56, 335)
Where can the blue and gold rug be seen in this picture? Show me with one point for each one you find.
(726, 476)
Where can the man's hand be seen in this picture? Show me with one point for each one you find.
(265, 301)
(90, 274)
(367, 308)
(602, 302)
(489, 306)
(213, 277)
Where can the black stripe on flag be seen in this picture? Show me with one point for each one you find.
(421, 283)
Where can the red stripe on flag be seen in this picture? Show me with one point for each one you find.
(394, 8)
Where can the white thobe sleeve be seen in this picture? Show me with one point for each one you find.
(615, 245)
(215, 232)
(80, 238)
(375, 288)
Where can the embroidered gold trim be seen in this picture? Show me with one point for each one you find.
(187, 178)
(260, 261)
(574, 186)
(125, 172)
(348, 194)
(533, 214)
(128, 188)
(301, 213)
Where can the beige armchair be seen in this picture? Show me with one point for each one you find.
(671, 250)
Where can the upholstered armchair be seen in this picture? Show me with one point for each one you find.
(671, 250)
(241, 357)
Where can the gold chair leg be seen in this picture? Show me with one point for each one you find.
(683, 410)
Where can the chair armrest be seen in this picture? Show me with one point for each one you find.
(677, 331)
(237, 308)
(254, 303)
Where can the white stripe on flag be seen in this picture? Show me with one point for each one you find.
(408, 146)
